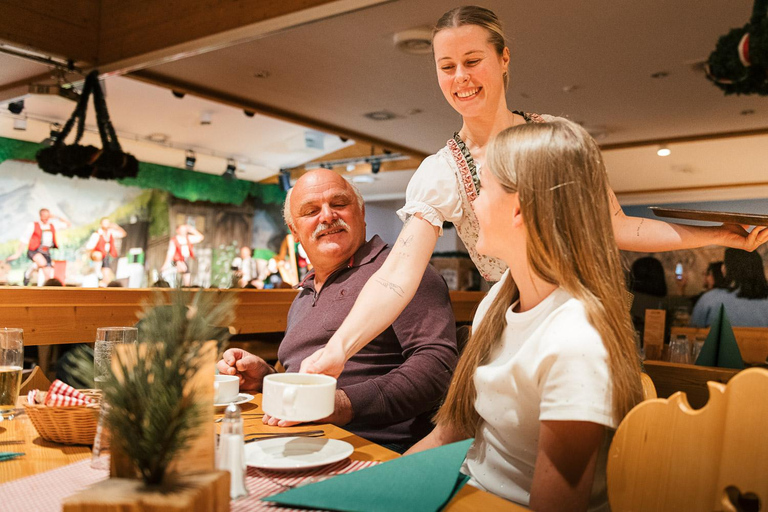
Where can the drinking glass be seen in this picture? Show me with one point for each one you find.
(698, 343)
(680, 350)
(11, 358)
(106, 339)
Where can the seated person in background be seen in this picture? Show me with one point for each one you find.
(551, 368)
(746, 297)
(387, 392)
(713, 278)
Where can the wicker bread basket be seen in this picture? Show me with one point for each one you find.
(67, 425)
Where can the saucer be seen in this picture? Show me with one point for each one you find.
(240, 399)
(289, 453)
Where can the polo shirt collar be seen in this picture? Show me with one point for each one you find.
(365, 254)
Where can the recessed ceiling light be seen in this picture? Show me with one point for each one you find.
(660, 74)
(663, 151)
(417, 41)
(380, 115)
(261, 74)
(159, 138)
(363, 178)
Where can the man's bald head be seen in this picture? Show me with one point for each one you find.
(312, 178)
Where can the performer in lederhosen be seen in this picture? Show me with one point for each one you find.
(103, 248)
(41, 235)
(181, 252)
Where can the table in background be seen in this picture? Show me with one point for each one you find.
(44, 456)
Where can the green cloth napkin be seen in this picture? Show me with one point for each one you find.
(9, 455)
(423, 482)
(720, 348)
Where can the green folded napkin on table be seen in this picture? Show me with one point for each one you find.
(424, 481)
(9, 455)
(720, 348)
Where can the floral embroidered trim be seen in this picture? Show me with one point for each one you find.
(463, 160)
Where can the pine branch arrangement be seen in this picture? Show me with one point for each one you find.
(153, 411)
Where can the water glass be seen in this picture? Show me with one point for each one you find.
(106, 339)
(11, 359)
(696, 346)
(680, 350)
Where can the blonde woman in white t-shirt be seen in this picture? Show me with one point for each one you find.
(551, 367)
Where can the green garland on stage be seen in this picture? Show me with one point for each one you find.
(181, 183)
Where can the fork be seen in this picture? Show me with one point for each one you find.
(306, 433)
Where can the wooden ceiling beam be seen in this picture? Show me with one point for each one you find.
(137, 34)
(268, 110)
(67, 30)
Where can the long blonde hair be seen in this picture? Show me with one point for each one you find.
(558, 172)
(479, 16)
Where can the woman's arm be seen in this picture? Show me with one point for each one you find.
(382, 299)
(648, 235)
(565, 465)
(440, 435)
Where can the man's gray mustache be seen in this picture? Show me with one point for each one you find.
(338, 223)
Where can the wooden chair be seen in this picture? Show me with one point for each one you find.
(666, 456)
(35, 380)
(649, 390)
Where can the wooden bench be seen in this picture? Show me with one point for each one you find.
(669, 378)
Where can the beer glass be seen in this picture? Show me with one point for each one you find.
(11, 358)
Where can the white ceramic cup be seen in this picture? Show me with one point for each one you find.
(226, 388)
(299, 396)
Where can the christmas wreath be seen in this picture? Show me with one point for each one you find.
(739, 64)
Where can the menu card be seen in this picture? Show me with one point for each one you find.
(653, 335)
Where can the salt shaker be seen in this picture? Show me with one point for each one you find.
(230, 455)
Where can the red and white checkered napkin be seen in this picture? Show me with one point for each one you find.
(262, 483)
(44, 492)
(58, 395)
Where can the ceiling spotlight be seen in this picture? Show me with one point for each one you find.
(54, 135)
(350, 167)
(179, 94)
(20, 124)
(375, 166)
(229, 173)
(16, 107)
(190, 159)
(249, 113)
(663, 151)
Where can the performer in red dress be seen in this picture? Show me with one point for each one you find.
(180, 251)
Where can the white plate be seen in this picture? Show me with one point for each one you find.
(285, 453)
(241, 399)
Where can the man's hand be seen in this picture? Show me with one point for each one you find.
(327, 361)
(738, 237)
(342, 414)
(250, 368)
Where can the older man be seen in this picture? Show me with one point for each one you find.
(388, 390)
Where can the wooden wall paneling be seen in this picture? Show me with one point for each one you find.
(68, 30)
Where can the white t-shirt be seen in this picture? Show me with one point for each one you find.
(551, 365)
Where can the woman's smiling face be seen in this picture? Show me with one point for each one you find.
(469, 70)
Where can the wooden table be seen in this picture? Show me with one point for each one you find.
(43, 456)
